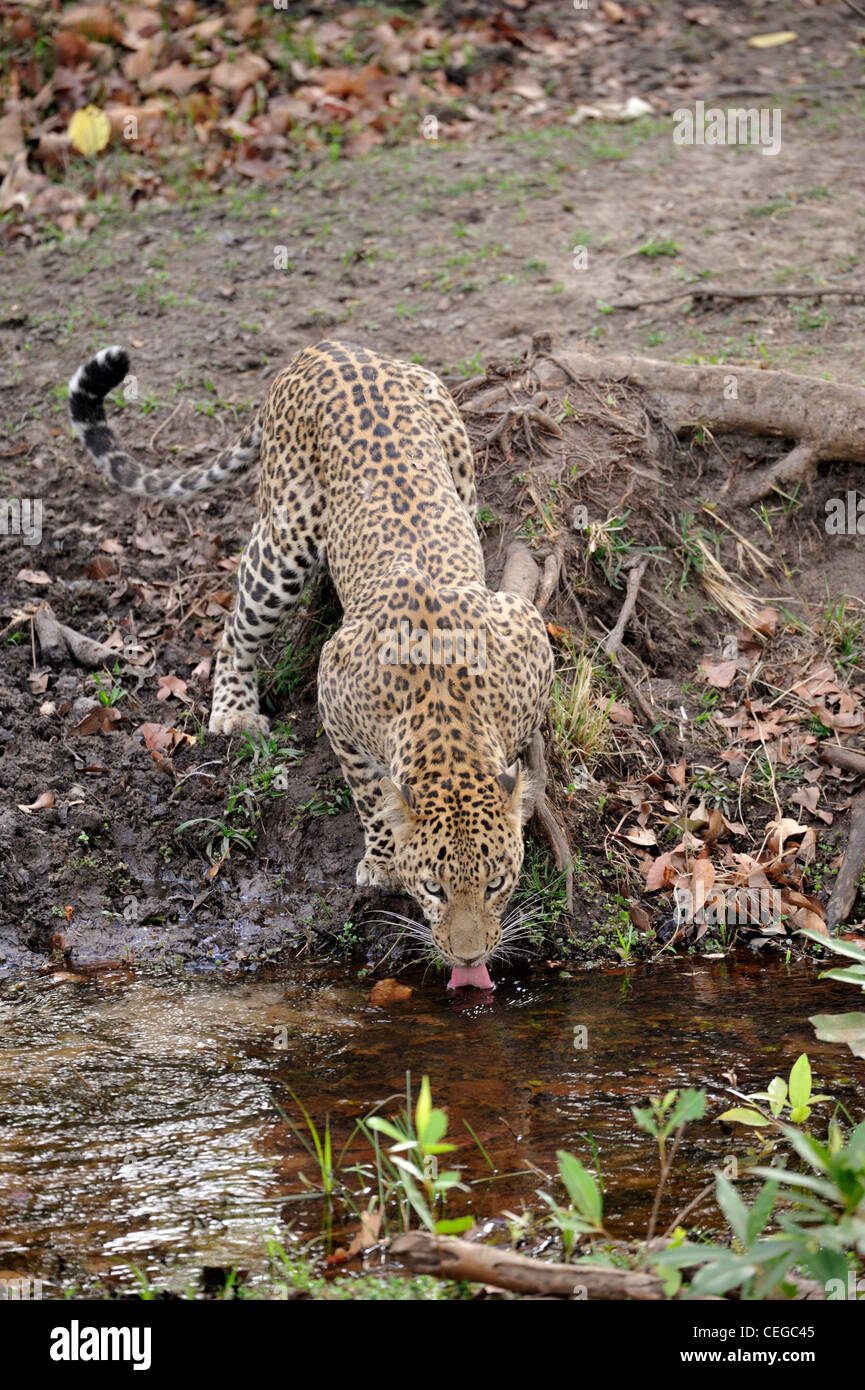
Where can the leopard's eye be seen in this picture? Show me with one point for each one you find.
(495, 884)
(434, 888)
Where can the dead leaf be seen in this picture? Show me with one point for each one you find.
(172, 685)
(661, 873)
(720, 674)
(639, 916)
(38, 681)
(370, 1226)
(773, 40)
(676, 773)
(158, 738)
(34, 577)
(40, 804)
(620, 714)
(389, 992)
(237, 76)
(100, 720)
(639, 835)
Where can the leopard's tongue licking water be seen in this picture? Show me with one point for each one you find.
(477, 976)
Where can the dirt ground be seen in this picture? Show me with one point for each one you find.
(457, 253)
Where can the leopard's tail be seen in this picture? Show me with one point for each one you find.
(87, 390)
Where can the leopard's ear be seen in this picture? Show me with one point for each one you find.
(397, 805)
(512, 784)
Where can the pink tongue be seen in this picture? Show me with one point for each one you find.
(477, 976)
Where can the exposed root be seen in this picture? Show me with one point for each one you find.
(635, 579)
(847, 882)
(824, 419)
(57, 642)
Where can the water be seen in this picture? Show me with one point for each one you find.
(140, 1125)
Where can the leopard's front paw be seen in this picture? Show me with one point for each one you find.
(238, 721)
(371, 873)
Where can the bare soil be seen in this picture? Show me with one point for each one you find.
(458, 254)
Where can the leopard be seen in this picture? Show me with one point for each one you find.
(433, 687)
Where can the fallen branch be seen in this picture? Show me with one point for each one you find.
(57, 641)
(700, 292)
(850, 759)
(824, 419)
(448, 1257)
(847, 882)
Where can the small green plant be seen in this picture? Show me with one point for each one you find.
(584, 1216)
(109, 691)
(794, 1096)
(415, 1153)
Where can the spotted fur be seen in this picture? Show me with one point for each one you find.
(365, 465)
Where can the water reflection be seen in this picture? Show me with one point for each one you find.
(139, 1125)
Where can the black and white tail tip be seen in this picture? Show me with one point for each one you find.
(92, 383)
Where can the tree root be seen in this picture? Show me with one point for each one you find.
(57, 642)
(847, 882)
(521, 576)
(824, 419)
(635, 579)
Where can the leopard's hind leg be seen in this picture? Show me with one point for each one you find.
(275, 566)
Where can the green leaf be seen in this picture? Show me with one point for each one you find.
(739, 1116)
(819, 1185)
(854, 973)
(800, 1082)
(454, 1227)
(846, 1028)
(385, 1127)
(733, 1208)
(423, 1109)
(761, 1211)
(776, 1094)
(691, 1105)
(831, 943)
(722, 1275)
(646, 1120)
(436, 1125)
(582, 1188)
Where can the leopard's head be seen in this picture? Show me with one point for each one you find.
(458, 850)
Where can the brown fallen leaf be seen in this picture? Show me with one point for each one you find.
(639, 835)
(100, 720)
(38, 681)
(40, 804)
(370, 1226)
(158, 738)
(389, 992)
(34, 577)
(620, 714)
(639, 916)
(676, 773)
(172, 685)
(720, 674)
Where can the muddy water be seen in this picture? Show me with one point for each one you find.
(139, 1127)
